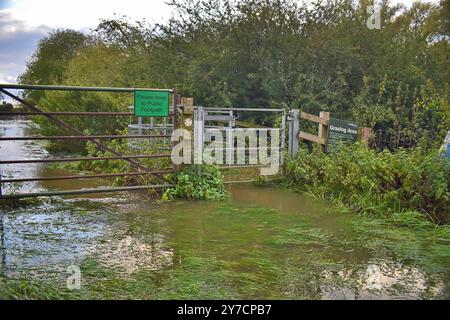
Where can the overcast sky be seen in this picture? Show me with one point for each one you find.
(24, 22)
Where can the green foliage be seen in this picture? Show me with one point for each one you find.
(6, 107)
(24, 289)
(319, 56)
(196, 182)
(391, 106)
(377, 183)
(121, 166)
(111, 166)
(51, 58)
(20, 203)
(82, 102)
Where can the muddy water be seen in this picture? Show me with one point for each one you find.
(262, 242)
(12, 150)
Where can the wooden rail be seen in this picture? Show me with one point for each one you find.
(314, 118)
(311, 137)
(322, 120)
(365, 134)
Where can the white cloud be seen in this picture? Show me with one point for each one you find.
(17, 43)
(24, 22)
(4, 78)
(84, 14)
(408, 3)
(10, 26)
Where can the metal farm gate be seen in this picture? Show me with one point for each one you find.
(221, 127)
(141, 136)
(149, 137)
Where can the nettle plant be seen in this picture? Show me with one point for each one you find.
(199, 182)
(376, 183)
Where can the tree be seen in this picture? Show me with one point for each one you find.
(6, 107)
(50, 60)
(267, 54)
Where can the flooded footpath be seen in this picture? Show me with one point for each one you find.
(262, 242)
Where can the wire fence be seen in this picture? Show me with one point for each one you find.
(393, 139)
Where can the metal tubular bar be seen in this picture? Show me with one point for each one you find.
(243, 148)
(83, 191)
(294, 128)
(256, 166)
(210, 128)
(68, 113)
(141, 156)
(283, 137)
(102, 146)
(175, 125)
(247, 181)
(239, 181)
(243, 109)
(152, 125)
(92, 176)
(82, 137)
(75, 88)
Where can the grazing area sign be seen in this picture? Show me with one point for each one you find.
(340, 131)
(151, 103)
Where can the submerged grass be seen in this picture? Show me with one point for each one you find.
(8, 205)
(302, 236)
(194, 278)
(299, 272)
(227, 250)
(409, 237)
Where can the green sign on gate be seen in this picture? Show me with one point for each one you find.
(149, 103)
(340, 131)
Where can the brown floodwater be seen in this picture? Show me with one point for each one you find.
(261, 242)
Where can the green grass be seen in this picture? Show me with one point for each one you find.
(405, 184)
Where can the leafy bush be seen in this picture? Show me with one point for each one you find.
(259, 53)
(61, 101)
(121, 165)
(376, 183)
(196, 182)
(6, 107)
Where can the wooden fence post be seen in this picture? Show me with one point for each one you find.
(323, 129)
(366, 135)
(188, 102)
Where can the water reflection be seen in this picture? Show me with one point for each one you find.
(249, 240)
(385, 279)
(11, 150)
(23, 150)
(130, 254)
(287, 245)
